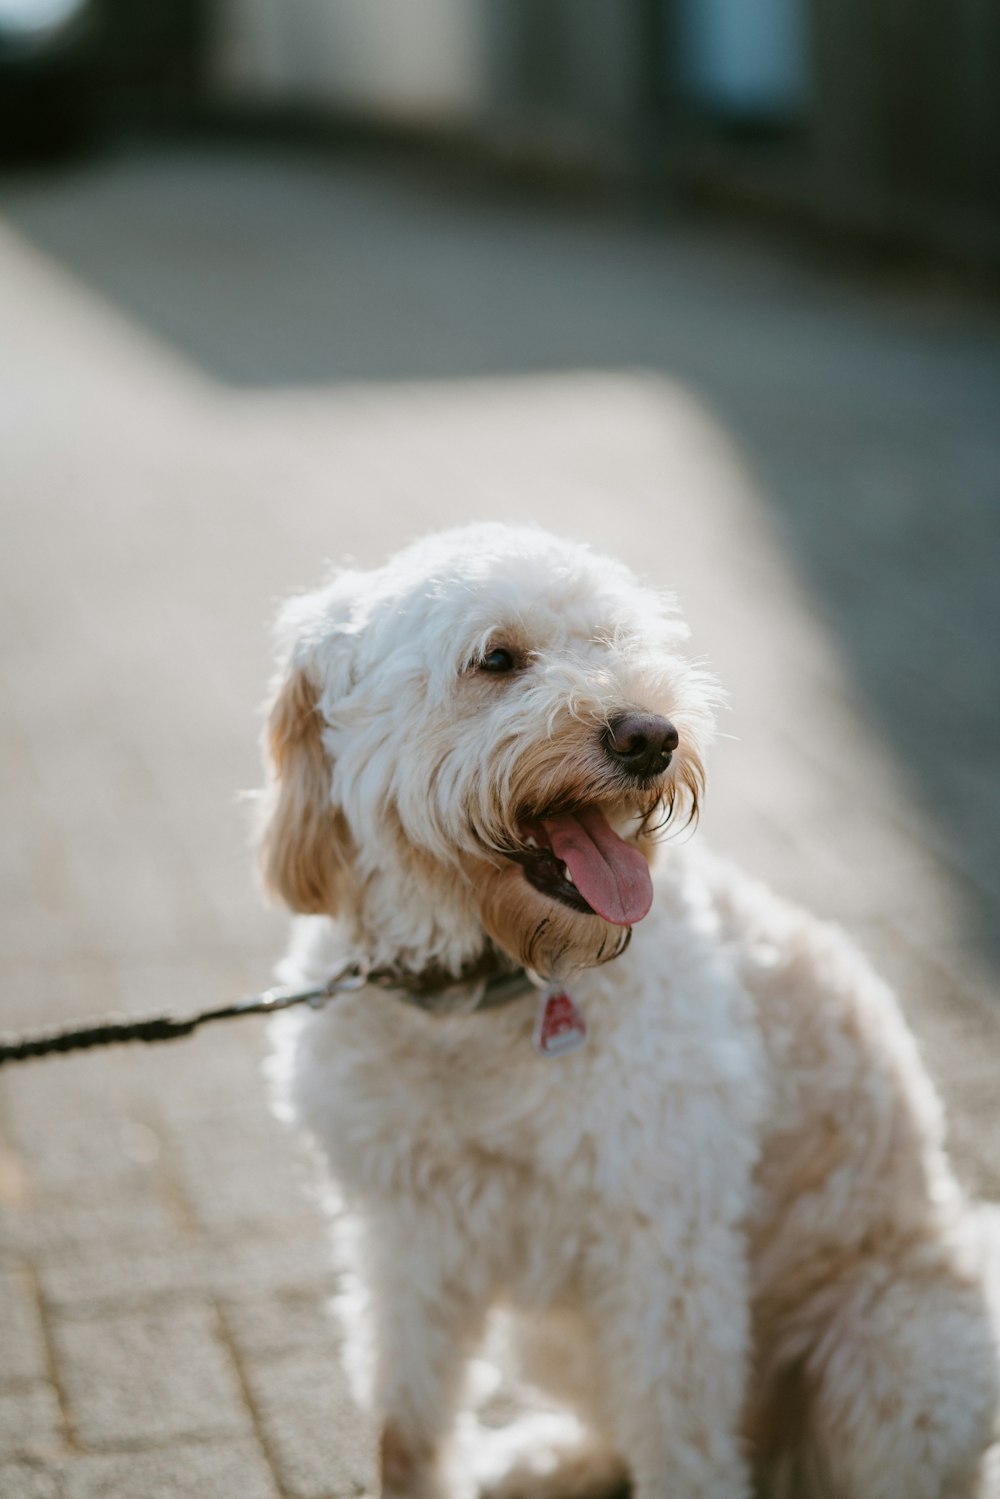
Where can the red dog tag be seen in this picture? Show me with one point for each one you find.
(560, 1027)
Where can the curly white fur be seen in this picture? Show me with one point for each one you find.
(725, 1228)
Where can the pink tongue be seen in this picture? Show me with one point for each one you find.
(610, 874)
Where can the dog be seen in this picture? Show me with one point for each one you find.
(679, 1132)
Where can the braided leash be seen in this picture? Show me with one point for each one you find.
(112, 1030)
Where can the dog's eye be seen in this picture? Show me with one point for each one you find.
(498, 660)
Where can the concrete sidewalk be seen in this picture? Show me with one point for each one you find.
(218, 370)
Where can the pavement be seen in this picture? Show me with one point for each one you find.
(220, 366)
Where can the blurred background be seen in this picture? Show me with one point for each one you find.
(708, 283)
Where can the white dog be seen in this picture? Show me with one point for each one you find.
(703, 1168)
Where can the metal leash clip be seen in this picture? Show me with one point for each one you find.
(348, 981)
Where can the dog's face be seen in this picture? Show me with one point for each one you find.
(475, 743)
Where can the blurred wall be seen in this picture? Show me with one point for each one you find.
(563, 73)
(402, 59)
(880, 118)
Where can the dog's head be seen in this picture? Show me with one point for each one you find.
(475, 744)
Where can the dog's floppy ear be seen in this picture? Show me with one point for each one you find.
(304, 843)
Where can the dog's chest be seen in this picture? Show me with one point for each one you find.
(468, 1108)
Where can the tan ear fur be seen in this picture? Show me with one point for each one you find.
(304, 843)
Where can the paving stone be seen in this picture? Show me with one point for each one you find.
(264, 1325)
(22, 1346)
(150, 1377)
(217, 1071)
(15, 1185)
(211, 1470)
(88, 1284)
(321, 1445)
(27, 1481)
(30, 1422)
(72, 1131)
(236, 1172)
(52, 1228)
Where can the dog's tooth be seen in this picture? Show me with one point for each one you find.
(531, 842)
(567, 876)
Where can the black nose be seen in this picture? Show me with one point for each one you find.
(641, 743)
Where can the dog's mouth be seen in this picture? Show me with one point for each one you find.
(577, 858)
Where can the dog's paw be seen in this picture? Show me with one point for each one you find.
(408, 1468)
(542, 1464)
(583, 1476)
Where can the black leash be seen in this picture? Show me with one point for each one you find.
(112, 1030)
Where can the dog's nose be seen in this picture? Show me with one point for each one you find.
(641, 743)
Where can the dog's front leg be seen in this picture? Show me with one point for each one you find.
(672, 1320)
(427, 1317)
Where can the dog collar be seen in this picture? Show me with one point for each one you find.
(559, 1025)
(482, 985)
